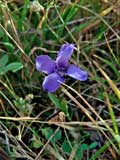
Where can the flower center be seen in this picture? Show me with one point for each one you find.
(60, 70)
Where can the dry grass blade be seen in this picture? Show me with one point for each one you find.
(113, 86)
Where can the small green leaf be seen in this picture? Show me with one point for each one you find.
(79, 153)
(93, 145)
(66, 147)
(84, 147)
(37, 144)
(81, 148)
(61, 104)
(64, 106)
(14, 67)
(9, 45)
(47, 132)
(2, 70)
(56, 137)
(117, 137)
(1, 30)
(3, 60)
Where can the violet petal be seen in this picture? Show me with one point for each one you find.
(52, 82)
(66, 49)
(77, 73)
(45, 64)
(64, 55)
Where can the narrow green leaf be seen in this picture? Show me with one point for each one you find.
(61, 104)
(14, 67)
(54, 99)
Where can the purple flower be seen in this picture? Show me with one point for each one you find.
(57, 70)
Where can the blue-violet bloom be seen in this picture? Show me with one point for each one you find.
(57, 69)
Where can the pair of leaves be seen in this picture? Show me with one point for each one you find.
(4, 67)
(48, 132)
